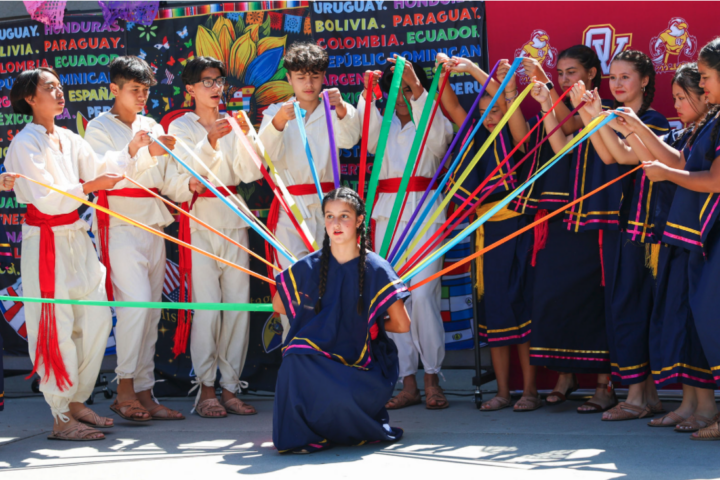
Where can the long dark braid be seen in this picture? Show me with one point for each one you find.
(644, 66)
(350, 197)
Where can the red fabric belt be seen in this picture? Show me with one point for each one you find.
(274, 217)
(103, 221)
(182, 331)
(392, 185)
(47, 349)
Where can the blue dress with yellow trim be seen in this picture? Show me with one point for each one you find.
(505, 280)
(339, 368)
(693, 223)
(568, 299)
(633, 284)
(676, 354)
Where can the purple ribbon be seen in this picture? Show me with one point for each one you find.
(331, 135)
(405, 231)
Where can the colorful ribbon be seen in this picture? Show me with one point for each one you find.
(147, 229)
(299, 116)
(278, 187)
(489, 141)
(592, 127)
(331, 136)
(475, 255)
(222, 198)
(445, 229)
(200, 222)
(221, 307)
(413, 226)
(412, 160)
(369, 94)
(384, 134)
(417, 162)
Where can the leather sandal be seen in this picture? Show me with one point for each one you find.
(494, 404)
(560, 395)
(77, 433)
(170, 414)
(134, 407)
(660, 422)
(531, 404)
(657, 408)
(88, 417)
(709, 433)
(598, 408)
(210, 405)
(235, 406)
(404, 399)
(626, 411)
(434, 393)
(694, 423)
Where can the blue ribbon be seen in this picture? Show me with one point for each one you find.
(300, 115)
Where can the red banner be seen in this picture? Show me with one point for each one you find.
(671, 33)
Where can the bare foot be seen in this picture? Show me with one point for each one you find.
(566, 384)
(126, 393)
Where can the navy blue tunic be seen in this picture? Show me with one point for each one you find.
(335, 379)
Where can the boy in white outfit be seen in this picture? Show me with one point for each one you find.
(306, 64)
(426, 339)
(134, 258)
(66, 342)
(217, 341)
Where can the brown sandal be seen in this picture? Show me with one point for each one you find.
(695, 423)
(134, 407)
(657, 408)
(170, 414)
(235, 406)
(435, 398)
(707, 434)
(95, 420)
(560, 395)
(531, 403)
(626, 411)
(210, 405)
(77, 433)
(496, 403)
(404, 399)
(660, 422)
(598, 408)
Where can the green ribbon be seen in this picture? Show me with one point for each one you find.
(222, 307)
(384, 134)
(409, 165)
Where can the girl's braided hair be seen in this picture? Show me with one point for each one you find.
(350, 197)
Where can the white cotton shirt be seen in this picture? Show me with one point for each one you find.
(34, 155)
(397, 151)
(109, 137)
(287, 150)
(230, 162)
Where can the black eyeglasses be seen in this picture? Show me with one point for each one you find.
(208, 82)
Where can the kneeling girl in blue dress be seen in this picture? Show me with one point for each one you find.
(339, 365)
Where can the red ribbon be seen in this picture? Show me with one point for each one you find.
(392, 185)
(47, 349)
(103, 220)
(541, 234)
(182, 331)
(369, 97)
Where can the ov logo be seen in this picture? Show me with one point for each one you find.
(607, 44)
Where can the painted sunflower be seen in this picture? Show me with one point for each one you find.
(256, 76)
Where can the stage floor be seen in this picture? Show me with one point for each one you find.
(460, 442)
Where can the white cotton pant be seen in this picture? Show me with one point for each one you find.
(82, 331)
(219, 340)
(426, 338)
(137, 261)
(289, 237)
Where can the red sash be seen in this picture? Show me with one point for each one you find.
(392, 185)
(103, 220)
(274, 217)
(182, 332)
(47, 349)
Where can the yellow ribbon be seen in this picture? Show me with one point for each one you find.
(500, 216)
(458, 183)
(652, 257)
